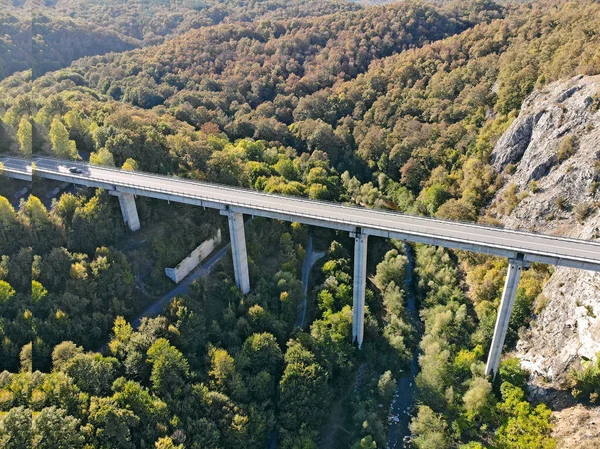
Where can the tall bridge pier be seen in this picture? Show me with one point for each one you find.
(242, 277)
(129, 210)
(515, 266)
(360, 283)
(237, 235)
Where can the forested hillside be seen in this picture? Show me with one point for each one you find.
(56, 42)
(66, 30)
(152, 20)
(395, 107)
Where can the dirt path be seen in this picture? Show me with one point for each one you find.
(158, 306)
(183, 287)
(310, 259)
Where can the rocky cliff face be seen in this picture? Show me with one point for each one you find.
(551, 153)
(550, 156)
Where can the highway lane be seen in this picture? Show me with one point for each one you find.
(497, 241)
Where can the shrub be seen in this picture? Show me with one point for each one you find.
(534, 187)
(540, 303)
(585, 383)
(511, 371)
(582, 211)
(566, 148)
(561, 202)
(509, 199)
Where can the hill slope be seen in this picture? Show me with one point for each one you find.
(66, 30)
(56, 42)
(553, 149)
(397, 107)
(150, 21)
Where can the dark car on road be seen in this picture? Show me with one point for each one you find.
(75, 170)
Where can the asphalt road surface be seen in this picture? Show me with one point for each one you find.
(501, 242)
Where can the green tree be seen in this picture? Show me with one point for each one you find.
(366, 443)
(303, 389)
(472, 445)
(37, 215)
(260, 352)
(24, 136)
(167, 443)
(102, 157)
(391, 269)
(430, 429)
(53, 429)
(112, 425)
(6, 292)
(12, 232)
(511, 371)
(26, 358)
(478, 398)
(94, 224)
(65, 208)
(457, 210)
(92, 373)
(224, 371)
(433, 197)
(386, 386)
(63, 353)
(15, 429)
(170, 369)
(523, 426)
(62, 146)
(130, 164)
(151, 411)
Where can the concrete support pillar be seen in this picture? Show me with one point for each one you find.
(129, 211)
(506, 305)
(238, 251)
(360, 280)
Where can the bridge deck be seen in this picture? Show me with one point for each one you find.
(501, 242)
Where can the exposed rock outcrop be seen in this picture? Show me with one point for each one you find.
(553, 149)
(552, 152)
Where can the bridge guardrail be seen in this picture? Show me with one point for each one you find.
(319, 217)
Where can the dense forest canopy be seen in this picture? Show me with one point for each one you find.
(47, 43)
(152, 20)
(63, 31)
(395, 106)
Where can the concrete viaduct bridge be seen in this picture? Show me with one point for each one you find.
(520, 248)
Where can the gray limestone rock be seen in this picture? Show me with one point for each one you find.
(565, 202)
